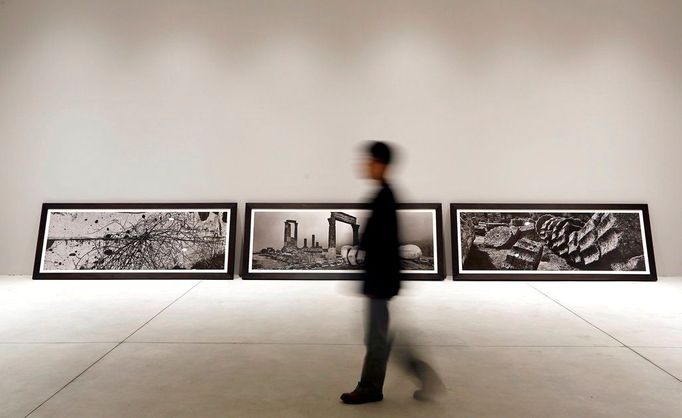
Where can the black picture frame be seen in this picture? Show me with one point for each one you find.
(525, 275)
(320, 275)
(142, 274)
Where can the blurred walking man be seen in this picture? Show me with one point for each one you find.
(381, 283)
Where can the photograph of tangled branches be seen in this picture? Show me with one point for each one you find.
(114, 240)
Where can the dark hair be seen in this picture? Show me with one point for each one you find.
(380, 151)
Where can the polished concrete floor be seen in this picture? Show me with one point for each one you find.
(288, 349)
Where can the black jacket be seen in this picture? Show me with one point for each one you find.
(380, 243)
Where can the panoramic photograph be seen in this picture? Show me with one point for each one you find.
(550, 241)
(115, 240)
(329, 240)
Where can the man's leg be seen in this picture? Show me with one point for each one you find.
(378, 347)
(370, 387)
(431, 384)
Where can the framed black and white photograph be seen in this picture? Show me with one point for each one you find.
(552, 242)
(321, 241)
(136, 241)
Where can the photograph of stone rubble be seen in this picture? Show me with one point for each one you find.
(551, 241)
(129, 241)
(302, 241)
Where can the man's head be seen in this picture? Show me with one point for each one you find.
(379, 156)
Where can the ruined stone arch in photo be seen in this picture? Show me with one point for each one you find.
(321, 241)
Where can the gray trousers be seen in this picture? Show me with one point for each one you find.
(378, 347)
(379, 343)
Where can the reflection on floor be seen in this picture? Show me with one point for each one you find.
(289, 348)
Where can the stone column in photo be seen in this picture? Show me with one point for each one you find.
(287, 233)
(332, 233)
(356, 234)
(295, 235)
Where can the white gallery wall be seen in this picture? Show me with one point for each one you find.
(192, 101)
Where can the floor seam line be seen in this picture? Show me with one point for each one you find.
(109, 352)
(673, 347)
(362, 345)
(161, 311)
(577, 315)
(606, 333)
(656, 346)
(55, 342)
(72, 380)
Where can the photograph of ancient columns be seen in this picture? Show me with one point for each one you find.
(552, 242)
(322, 241)
(136, 241)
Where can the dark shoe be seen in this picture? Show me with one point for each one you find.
(356, 398)
(432, 385)
(424, 395)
